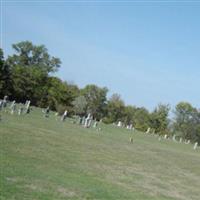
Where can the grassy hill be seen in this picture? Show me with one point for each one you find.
(42, 158)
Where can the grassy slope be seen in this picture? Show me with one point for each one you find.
(47, 159)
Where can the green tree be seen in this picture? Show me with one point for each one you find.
(187, 121)
(96, 100)
(141, 119)
(27, 54)
(115, 109)
(58, 94)
(80, 105)
(30, 67)
(159, 119)
(5, 77)
(129, 114)
(28, 83)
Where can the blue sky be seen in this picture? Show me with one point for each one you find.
(147, 52)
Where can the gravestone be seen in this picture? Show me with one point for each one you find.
(83, 120)
(27, 106)
(12, 104)
(187, 141)
(195, 145)
(5, 99)
(79, 120)
(130, 126)
(46, 112)
(64, 116)
(56, 116)
(148, 130)
(88, 121)
(13, 107)
(174, 138)
(1, 104)
(20, 110)
(95, 124)
(119, 124)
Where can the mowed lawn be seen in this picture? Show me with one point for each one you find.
(44, 158)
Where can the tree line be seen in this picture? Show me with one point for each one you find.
(28, 75)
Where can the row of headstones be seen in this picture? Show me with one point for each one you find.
(23, 108)
(174, 139)
(149, 131)
(129, 126)
(181, 140)
(87, 122)
(47, 112)
(84, 121)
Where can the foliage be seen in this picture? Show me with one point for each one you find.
(28, 75)
(5, 77)
(28, 83)
(28, 54)
(115, 109)
(187, 121)
(80, 105)
(129, 114)
(141, 119)
(96, 100)
(159, 119)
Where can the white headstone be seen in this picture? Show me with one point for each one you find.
(20, 110)
(83, 121)
(95, 124)
(174, 138)
(5, 101)
(88, 121)
(27, 106)
(1, 104)
(195, 145)
(13, 107)
(187, 142)
(119, 124)
(64, 116)
(148, 130)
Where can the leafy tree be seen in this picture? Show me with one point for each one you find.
(141, 119)
(28, 83)
(129, 114)
(159, 119)
(115, 109)
(80, 105)
(58, 93)
(29, 55)
(96, 100)
(30, 67)
(5, 77)
(187, 121)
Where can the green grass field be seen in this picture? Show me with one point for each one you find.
(42, 158)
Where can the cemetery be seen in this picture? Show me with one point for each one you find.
(51, 156)
(99, 100)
